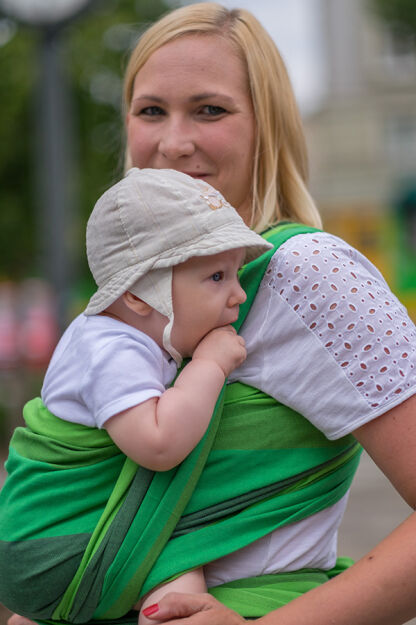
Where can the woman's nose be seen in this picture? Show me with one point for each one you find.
(176, 141)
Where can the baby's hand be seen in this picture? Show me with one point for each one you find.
(224, 346)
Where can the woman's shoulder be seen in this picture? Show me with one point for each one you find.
(344, 301)
(319, 274)
(321, 256)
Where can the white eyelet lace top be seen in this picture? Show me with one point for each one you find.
(326, 337)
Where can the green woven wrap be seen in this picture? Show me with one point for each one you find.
(84, 531)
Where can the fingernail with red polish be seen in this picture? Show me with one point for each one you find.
(151, 609)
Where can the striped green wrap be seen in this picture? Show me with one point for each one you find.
(84, 531)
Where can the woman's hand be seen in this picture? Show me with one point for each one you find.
(193, 609)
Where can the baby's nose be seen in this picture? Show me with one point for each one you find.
(238, 297)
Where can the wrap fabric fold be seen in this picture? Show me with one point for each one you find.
(256, 596)
(106, 531)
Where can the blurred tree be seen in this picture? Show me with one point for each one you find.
(18, 71)
(400, 15)
(96, 51)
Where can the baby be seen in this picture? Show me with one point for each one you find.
(164, 250)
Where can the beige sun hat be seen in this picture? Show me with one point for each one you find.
(150, 221)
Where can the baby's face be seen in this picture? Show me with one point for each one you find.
(206, 295)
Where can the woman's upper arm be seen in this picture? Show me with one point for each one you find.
(390, 440)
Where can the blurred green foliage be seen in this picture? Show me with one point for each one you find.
(96, 48)
(17, 71)
(400, 15)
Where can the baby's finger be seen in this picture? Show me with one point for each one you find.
(228, 329)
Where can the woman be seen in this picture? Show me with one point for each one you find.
(330, 350)
(207, 93)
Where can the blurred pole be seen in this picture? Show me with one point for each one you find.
(54, 139)
(55, 171)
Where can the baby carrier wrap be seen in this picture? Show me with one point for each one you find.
(85, 532)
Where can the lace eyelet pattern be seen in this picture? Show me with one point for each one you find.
(344, 301)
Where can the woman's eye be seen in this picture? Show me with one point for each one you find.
(217, 276)
(151, 111)
(213, 111)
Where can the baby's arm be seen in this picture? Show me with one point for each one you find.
(159, 433)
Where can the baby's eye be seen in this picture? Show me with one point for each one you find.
(217, 276)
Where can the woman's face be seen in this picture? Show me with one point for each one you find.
(191, 111)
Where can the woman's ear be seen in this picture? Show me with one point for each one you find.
(136, 304)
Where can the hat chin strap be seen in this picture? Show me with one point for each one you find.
(167, 343)
(155, 288)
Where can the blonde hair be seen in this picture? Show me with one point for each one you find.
(280, 168)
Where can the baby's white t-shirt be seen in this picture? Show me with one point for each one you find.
(101, 367)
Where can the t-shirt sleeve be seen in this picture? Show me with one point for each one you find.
(123, 373)
(327, 337)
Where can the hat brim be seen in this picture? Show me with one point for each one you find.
(226, 237)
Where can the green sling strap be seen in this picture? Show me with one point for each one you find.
(115, 535)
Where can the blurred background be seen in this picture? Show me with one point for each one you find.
(353, 65)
